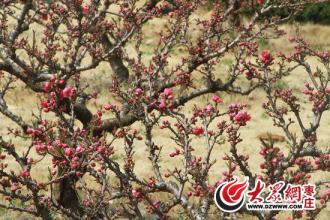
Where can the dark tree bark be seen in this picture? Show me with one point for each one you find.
(119, 69)
(234, 18)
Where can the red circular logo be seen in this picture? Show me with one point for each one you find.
(230, 196)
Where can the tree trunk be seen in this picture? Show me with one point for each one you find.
(66, 194)
(119, 69)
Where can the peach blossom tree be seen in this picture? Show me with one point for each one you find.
(50, 45)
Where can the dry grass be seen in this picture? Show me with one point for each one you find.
(23, 102)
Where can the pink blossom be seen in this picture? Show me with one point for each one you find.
(29, 130)
(68, 151)
(25, 173)
(101, 149)
(74, 164)
(136, 193)
(79, 149)
(266, 57)
(108, 107)
(85, 9)
(242, 117)
(68, 92)
(44, 104)
(327, 90)
(291, 39)
(217, 99)
(262, 151)
(39, 148)
(47, 86)
(30, 160)
(307, 92)
(162, 104)
(138, 92)
(209, 109)
(168, 93)
(327, 192)
(198, 131)
(50, 148)
(75, 159)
